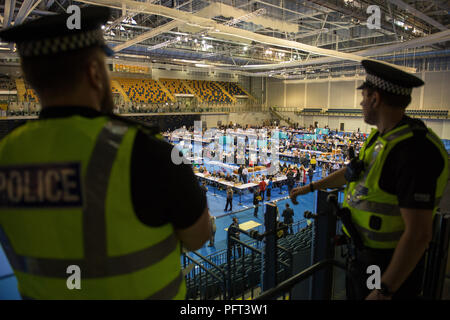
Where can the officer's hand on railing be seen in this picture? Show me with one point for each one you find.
(298, 192)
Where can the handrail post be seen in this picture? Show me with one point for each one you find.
(270, 253)
(323, 247)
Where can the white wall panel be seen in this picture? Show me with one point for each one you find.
(295, 95)
(342, 94)
(317, 95)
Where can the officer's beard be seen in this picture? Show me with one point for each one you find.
(107, 103)
(370, 115)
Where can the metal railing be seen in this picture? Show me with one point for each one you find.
(287, 285)
(203, 286)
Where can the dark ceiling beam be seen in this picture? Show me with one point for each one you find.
(10, 5)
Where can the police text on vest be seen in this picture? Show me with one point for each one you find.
(41, 185)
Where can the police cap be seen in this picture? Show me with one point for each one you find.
(388, 78)
(50, 35)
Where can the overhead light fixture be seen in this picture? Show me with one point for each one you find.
(245, 48)
(201, 65)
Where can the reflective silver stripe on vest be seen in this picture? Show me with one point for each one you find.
(375, 207)
(97, 181)
(398, 134)
(379, 236)
(434, 138)
(379, 208)
(56, 268)
(96, 262)
(170, 291)
(437, 201)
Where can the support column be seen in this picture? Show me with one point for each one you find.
(329, 93)
(422, 91)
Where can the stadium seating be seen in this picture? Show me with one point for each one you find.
(31, 96)
(427, 113)
(174, 86)
(312, 110)
(232, 88)
(356, 112)
(7, 84)
(209, 91)
(143, 90)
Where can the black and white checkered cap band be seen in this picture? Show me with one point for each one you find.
(388, 86)
(43, 47)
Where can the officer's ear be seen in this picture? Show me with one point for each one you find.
(377, 98)
(95, 75)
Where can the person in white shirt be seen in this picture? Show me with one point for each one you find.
(245, 174)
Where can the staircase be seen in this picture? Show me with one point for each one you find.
(225, 92)
(277, 115)
(192, 91)
(116, 85)
(21, 90)
(166, 91)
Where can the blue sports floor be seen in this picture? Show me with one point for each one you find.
(216, 203)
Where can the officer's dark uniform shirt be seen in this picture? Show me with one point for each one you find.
(162, 192)
(411, 170)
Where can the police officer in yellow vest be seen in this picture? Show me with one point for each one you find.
(82, 190)
(392, 189)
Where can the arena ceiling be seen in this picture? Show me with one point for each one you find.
(287, 39)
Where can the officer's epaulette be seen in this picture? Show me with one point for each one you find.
(418, 127)
(145, 127)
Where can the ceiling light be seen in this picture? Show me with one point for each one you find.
(245, 48)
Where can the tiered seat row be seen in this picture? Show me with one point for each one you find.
(427, 113)
(174, 86)
(7, 85)
(31, 96)
(232, 88)
(209, 91)
(143, 90)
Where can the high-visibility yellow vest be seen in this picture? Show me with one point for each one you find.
(365, 198)
(65, 200)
